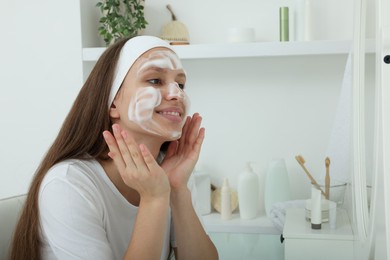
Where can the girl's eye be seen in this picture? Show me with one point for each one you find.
(155, 81)
(181, 86)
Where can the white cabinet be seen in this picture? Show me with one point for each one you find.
(250, 239)
(259, 225)
(302, 242)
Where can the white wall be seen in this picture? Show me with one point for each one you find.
(260, 109)
(40, 74)
(208, 21)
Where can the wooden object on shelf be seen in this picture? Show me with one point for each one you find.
(216, 199)
(175, 32)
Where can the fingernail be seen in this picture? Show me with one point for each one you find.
(124, 134)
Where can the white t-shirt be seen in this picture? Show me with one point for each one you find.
(84, 216)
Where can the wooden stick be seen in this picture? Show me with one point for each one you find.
(301, 161)
(327, 178)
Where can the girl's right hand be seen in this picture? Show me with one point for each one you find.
(136, 165)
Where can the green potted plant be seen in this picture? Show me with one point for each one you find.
(120, 18)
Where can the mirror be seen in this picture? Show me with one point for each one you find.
(364, 113)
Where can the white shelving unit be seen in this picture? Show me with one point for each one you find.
(193, 52)
(325, 243)
(251, 50)
(259, 225)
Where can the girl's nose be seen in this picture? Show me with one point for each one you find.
(173, 91)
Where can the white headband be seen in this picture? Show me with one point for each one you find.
(130, 52)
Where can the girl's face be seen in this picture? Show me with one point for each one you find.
(153, 96)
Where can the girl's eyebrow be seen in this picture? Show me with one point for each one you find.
(161, 70)
(182, 75)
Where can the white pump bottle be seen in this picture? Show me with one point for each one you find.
(248, 193)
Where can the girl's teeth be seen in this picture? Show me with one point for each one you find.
(170, 113)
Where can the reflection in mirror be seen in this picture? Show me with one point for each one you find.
(359, 130)
(364, 113)
(369, 94)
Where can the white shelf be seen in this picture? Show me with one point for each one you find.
(260, 225)
(297, 227)
(256, 49)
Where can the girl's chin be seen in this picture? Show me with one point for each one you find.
(165, 135)
(173, 136)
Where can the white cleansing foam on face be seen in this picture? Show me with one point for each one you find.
(161, 59)
(142, 108)
(147, 99)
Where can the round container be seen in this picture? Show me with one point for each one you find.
(336, 191)
(326, 205)
(237, 34)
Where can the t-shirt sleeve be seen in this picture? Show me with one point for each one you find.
(192, 187)
(71, 222)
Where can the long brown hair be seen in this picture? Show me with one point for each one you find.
(80, 134)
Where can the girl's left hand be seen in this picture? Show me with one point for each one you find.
(183, 154)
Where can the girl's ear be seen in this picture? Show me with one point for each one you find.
(114, 111)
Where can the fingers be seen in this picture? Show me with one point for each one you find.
(172, 149)
(128, 149)
(148, 158)
(124, 150)
(194, 128)
(114, 153)
(185, 127)
(190, 132)
(199, 141)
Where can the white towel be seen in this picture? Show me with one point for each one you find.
(278, 212)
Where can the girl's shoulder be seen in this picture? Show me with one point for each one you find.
(74, 170)
(79, 175)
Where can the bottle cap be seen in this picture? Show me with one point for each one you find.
(283, 12)
(248, 167)
(225, 182)
(315, 226)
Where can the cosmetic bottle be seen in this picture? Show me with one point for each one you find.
(303, 20)
(226, 211)
(316, 211)
(203, 190)
(277, 185)
(248, 193)
(332, 214)
(284, 24)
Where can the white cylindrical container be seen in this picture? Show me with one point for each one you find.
(332, 214)
(277, 185)
(303, 20)
(316, 211)
(248, 193)
(237, 34)
(226, 211)
(203, 191)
